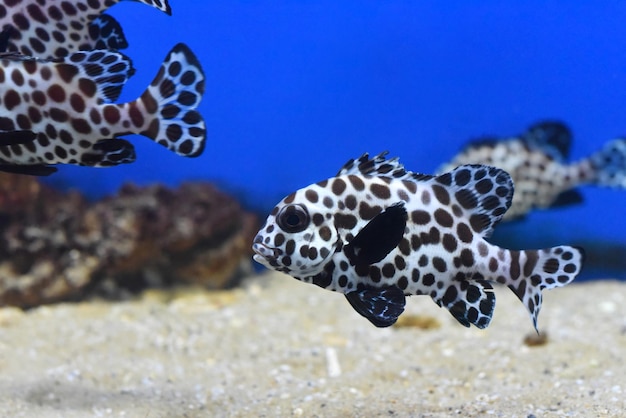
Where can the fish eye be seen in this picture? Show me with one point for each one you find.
(293, 218)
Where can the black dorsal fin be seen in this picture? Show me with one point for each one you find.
(553, 138)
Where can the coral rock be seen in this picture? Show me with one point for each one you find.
(56, 246)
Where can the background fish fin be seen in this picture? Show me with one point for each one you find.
(109, 152)
(379, 236)
(379, 166)
(567, 198)
(162, 5)
(381, 307)
(553, 138)
(470, 301)
(543, 269)
(110, 70)
(172, 99)
(485, 192)
(481, 142)
(30, 170)
(106, 33)
(16, 137)
(609, 165)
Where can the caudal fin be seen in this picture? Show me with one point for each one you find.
(608, 166)
(171, 101)
(535, 270)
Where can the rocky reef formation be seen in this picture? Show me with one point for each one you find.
(59, 246)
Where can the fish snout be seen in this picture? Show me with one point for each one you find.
(264, 251)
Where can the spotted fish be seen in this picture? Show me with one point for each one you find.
(66, 106)
(55, 28)
(378, 233)
(537, 162)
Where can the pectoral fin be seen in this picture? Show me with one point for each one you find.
(379, 237)
(381, 306)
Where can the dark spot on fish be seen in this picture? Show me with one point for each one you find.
(39, 98)
(17, 77)
(493, 264)
(338, 186)
(188, 78)
(87, 87)
(77, 102)
(345, 221)
(551, 266)
(367, 212)
(58, 115)
(187, 98)
(467, 257)
(443, 218)
(111, 114)
(441, 194)
(404, 247)
(449, 243)
(450, 295)
(311, 195)
(380, 191)
(388, 270)
(351, 202)
(11, 99)
(420, 217)
(428, 279)
(357, 183)
(439, 264)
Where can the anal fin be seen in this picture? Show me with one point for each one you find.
(471, 302)
(381, 306)
(567, 198)
(109, 152)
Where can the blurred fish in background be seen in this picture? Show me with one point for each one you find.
(537, 162)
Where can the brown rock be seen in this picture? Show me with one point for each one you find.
(55, 246)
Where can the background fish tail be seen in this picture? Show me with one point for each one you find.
(532, 271)
(172, 99)
(607, 167)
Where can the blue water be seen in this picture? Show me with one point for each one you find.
(295, 88)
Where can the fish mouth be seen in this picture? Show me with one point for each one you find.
(265, 255)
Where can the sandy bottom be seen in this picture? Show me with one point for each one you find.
(277, 347)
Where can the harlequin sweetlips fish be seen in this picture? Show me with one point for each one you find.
(378, 233)
(55, 28)
(63, 110)
(536, 160)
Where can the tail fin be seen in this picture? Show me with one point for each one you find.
(534, 270)
(172, 99)
(609, 165)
